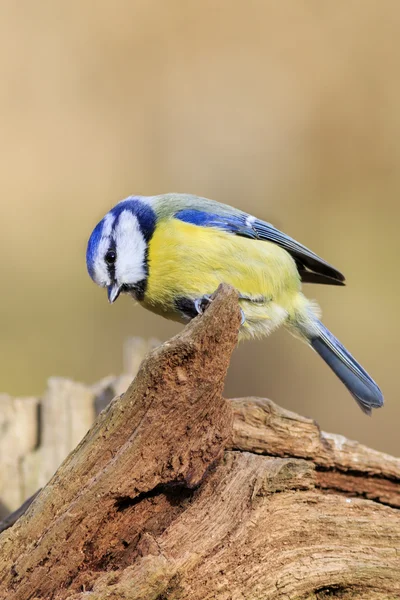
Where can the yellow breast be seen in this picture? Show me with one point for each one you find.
(190, 261)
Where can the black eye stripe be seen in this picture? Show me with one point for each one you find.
(110, 258)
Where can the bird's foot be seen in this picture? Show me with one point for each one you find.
(201, 304)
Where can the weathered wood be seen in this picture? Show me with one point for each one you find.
(176, 493)
(259, 529)
(167, 430)
(343, 465)
(13, 517)
(18, 438)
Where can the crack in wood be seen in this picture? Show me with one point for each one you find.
(233, 534)
(175, 492)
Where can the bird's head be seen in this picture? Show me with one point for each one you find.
(116, 255)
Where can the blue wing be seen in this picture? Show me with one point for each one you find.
(312, 268)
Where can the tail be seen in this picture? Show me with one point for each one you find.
(364, 389)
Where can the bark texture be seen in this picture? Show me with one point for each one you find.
(177, 493)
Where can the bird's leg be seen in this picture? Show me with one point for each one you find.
(254, 300)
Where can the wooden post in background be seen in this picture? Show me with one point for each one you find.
(37, 434)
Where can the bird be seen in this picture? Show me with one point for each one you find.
(170, 252)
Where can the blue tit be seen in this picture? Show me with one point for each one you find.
(171, 252)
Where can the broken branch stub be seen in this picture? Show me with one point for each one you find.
(167, 430)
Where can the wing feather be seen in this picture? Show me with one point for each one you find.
(312, 268)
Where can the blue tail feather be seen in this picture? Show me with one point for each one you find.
(363, 388)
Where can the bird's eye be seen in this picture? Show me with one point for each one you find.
(110, 257)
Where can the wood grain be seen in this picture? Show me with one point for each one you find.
(176, 493)
(343, 465)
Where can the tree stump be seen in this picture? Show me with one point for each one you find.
(177, 493)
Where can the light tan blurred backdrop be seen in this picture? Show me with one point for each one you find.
(290, 110)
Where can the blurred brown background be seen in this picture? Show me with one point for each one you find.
(287, 110)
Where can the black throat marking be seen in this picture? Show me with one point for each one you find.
(139, 288)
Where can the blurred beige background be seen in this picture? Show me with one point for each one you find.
(290, 110)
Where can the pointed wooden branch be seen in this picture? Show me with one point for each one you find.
(178, 493)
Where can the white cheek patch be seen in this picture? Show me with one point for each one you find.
(130, 267)
(102, 276)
